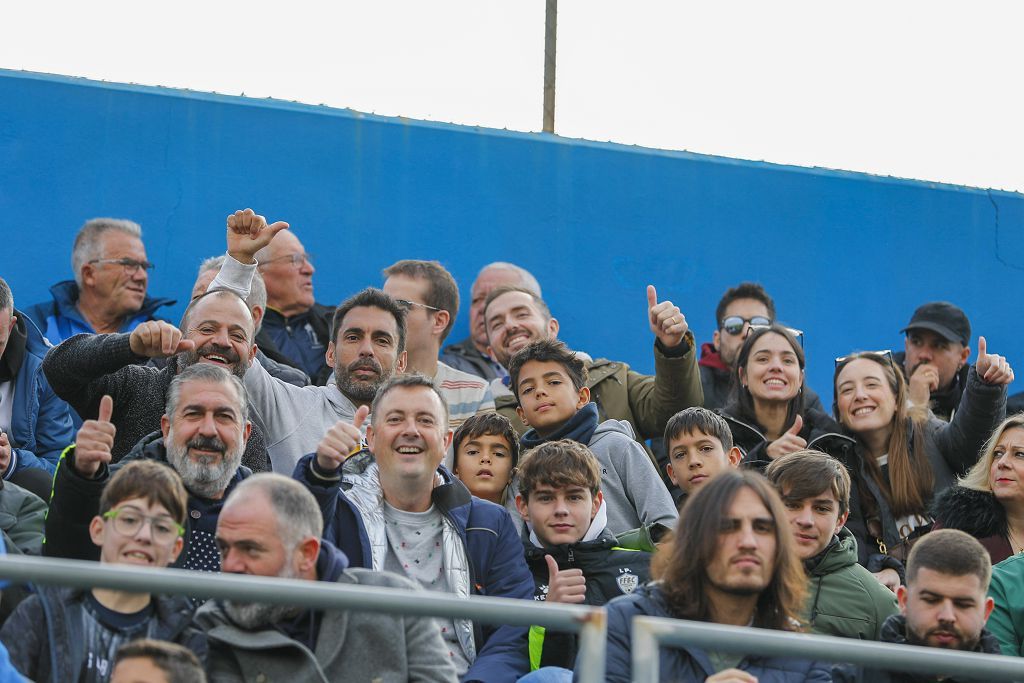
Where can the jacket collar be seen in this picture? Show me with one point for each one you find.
(709, 358)
(65, 295)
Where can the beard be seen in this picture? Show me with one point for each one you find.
(962, 642)
(254, 615)
(361, 391)
(206, 475)
(236, 366)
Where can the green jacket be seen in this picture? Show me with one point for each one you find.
(1006, 622)
(645, 401)
(843, 598)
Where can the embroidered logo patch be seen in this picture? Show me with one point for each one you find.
(627, 582)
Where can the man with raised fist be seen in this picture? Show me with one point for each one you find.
(202, 434)
(217, 328)
(516, 316)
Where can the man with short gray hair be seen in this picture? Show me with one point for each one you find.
(271, 526)
(108, 293)
(470, 355)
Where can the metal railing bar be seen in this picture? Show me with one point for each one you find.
(888, 656)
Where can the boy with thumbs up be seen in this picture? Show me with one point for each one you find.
(570, 551)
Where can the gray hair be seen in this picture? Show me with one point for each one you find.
(257, 290)
(87, 241)
(295, 509)
(526, 278)
(6, 296)
(205, 372)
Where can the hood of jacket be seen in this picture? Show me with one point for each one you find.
(841, 553)
(579, 428)
(977, 513)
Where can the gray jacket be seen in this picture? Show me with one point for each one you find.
(351, 646)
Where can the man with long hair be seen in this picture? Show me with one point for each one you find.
(732, 561)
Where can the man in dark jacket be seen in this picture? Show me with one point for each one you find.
(260, 642)
(218, 330)
(934, 359)
(108, 293)
(574, 558)
(203, 433)
(66, 634)
(411, 516)
(35, 425)
(944, 604)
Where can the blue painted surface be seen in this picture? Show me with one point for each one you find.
(847, 256)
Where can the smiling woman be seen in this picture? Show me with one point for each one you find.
(988, 502)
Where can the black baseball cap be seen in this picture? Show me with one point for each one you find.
(944, 319)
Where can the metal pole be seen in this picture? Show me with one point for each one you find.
(873, 655)
(593, 637)
(550, 32)
(644, 648)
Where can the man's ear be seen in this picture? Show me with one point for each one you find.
(553, 328)
(714, 340)
(596, 505)
(964, 355)
(246, 432)
(403, 358)
(252, 354)
(584, 398)
(308, 550)
(165, 425)
(901, 598)
(369, 436)
(523, 507)
(989, 604)
(735, 456)
(448, 438)
(670, 471)
(179, 543)
(329, 355)
(441, 320)
(841, 522)
(96, 530)
(88, 274)
(257, 317)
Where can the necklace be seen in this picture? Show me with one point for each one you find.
(1014, 542)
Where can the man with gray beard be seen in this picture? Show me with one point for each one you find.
(271, 526)
(203, 433)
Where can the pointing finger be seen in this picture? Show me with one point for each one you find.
(106, 408)
(982, 348)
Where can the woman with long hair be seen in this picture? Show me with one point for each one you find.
(905, 455)
(988, 502)
(767, 414)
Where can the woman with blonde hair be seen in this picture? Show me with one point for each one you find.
(904, 456)
(988, 502)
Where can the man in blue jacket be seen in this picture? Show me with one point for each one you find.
(108, 293)
(35, 425)
(406, 513)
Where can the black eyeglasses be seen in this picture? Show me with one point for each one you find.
(130, 265)
(405, 305)
(886, 354)
(734, 324)
(296, 260)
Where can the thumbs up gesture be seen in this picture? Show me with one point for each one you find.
(95, 440)
(667, 322)
(789, 442)
(992, 369)
(248, 232)
(341, 441)
(566, 585)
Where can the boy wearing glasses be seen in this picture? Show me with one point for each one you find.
(71, 634)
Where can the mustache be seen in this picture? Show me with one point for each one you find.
(214, 348)
(207, 443)
(365, 364)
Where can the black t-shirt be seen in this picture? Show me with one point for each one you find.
(104, 631)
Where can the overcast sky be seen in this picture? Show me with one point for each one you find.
(917, 89)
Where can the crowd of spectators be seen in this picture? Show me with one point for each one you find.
(271, 435)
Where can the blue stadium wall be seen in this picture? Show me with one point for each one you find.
(847, 256)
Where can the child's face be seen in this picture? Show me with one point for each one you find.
(484, 464)
(694, 458)
(137, 669)
(155, 541)
(559, 515)
(547, 397)
(814, 521)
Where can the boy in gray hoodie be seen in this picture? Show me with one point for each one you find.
(549, 382)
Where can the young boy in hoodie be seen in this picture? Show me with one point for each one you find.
(570, 551)
(71, 634)
(549, 382)
(843, 598)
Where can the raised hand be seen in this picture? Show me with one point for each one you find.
(248, 232)
(667, 322)
(158, 339)
(565, 585)
(992, 369)
(923, 381)
(95, 439)
(341, 441)
(789, 442)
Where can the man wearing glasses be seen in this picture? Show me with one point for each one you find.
(108, 293)
(70, 634)
(428, 294)
(742, 306)
(294, 325)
